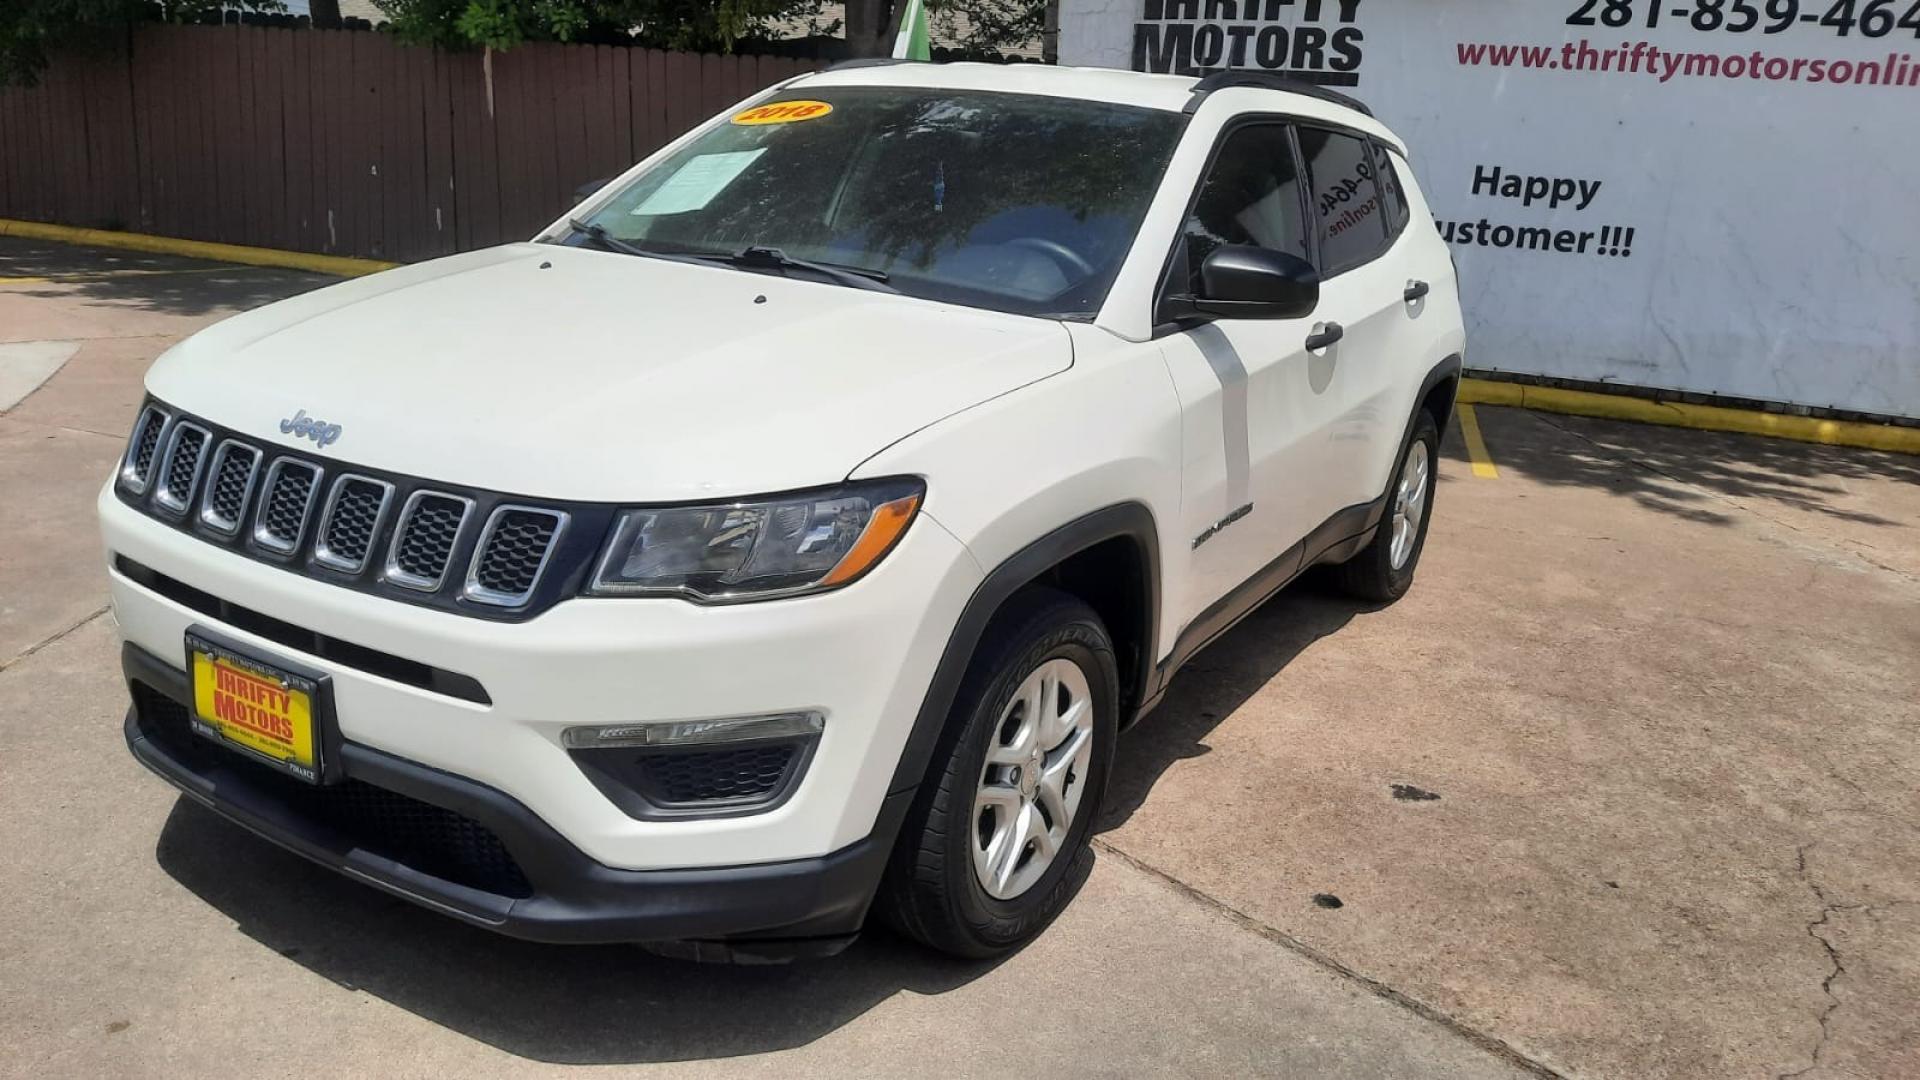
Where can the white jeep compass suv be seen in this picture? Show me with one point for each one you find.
(790, 530)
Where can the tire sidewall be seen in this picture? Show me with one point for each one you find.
(994, 921)
(1423, 432)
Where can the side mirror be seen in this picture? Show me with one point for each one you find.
(589, 189)
(1239, 281)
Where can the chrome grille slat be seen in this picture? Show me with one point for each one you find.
(285, 504)
(136, 466)
(231, 473)
(512, 554)
(179, 467)
(425, 539)
(350, 522)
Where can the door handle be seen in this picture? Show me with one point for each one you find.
(1415, 290)
(1324, 334)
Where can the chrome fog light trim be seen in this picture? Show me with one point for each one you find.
(729, 729)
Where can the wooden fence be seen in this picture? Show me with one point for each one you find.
(344, 142)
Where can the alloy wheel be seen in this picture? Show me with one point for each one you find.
(1409, 503)
(1033, 778)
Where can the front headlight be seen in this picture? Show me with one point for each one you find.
(783, 545)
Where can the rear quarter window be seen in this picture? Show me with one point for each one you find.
(1393, 195)
(1346, 199)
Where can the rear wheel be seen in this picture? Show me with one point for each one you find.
(996, 843)
(1383, 570)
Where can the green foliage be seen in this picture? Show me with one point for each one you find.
(982, 26)
(701, 25)
(977, 27)
(32, 30)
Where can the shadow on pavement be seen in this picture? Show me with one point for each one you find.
(1215, 683)
(620, 1005)
(185, 287)
(1658, 467)
(577, 1004)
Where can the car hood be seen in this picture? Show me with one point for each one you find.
(577, 374)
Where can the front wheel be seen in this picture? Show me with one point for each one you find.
(1383, 570)
(997, 840)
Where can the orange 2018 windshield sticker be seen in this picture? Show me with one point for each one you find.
(783, 112)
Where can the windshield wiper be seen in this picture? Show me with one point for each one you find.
(772, 258)
(599, 235)
(755, 257)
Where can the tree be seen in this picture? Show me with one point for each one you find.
(31, 30)
(870, 26)
(702, 25)
(976, 27)
(979, 27)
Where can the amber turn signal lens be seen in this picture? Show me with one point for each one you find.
(888, 523)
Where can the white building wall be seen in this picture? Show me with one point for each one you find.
(1618, 212)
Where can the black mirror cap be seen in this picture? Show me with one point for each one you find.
(589, 189)
(1240, 281)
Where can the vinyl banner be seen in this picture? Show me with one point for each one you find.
(1719, 196)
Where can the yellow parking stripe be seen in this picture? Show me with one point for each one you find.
(195, 249)
(102, 275)
(1476, 446)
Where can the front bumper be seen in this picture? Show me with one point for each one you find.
(862, 656)
(498, 865)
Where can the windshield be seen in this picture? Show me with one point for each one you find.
(1014, 202)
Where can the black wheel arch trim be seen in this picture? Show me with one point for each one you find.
(1448, 368)
(1129, 520)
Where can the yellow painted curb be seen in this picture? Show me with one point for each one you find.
(338, 265)
(1904, 440)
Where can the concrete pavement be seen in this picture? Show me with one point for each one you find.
(1663, 685)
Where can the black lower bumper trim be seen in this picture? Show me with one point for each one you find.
(572, 898)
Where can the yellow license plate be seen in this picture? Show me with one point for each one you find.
(249, 705)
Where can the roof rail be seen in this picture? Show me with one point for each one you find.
(867, 62)
(1267, 80)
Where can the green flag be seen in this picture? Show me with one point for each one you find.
(911, 43)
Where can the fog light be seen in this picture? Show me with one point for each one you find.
(787, 725)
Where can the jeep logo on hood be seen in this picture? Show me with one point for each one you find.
(306, 427)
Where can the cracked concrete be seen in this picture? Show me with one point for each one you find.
(1827, 909)
(1832, 914)
(1639, 672)
(1661, 683)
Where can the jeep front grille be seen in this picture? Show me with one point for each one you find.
(350, 521)
(186, 452)
(513, 550)
(423, 545)
(282, 517)
(136, 468)
(224, 506)
(477, 552)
